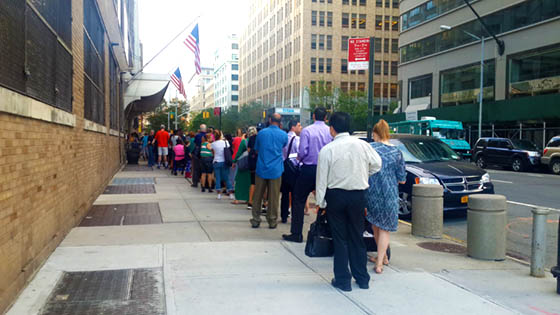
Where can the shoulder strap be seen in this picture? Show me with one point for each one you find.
(290, 148)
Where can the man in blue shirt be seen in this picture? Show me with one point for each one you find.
(270, 166)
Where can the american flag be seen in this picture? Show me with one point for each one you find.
(192, 42)
(178, 82)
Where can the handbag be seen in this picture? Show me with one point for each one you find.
(319, 238)
(291, 171)
(228, 155)
(243, 162)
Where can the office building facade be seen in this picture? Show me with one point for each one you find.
(226, 73)
(288, 46)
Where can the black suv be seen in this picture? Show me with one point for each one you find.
(517, 154)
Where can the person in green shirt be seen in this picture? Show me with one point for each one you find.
(242, 178)
(206, 159)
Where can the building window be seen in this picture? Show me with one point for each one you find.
(377, 44)
(313, 18)
(235, 98)
(234, 57)
(321, 18)
(344, 86)
(362, 21)
(394, 68)
(329, 42)
(321, 42)
(354, 2)
(534, 73)
(379, 3)
(313, 65)
(313, 41)
(377, 67)
(420, 87)
(329, 18)
(462, 85)
(376, 89)
(520, 15)
(379, 22)
(343, 65)
(362, 86)
(329, 65)
(114, 107)
(321, 65)
(394, 89)
(94, 64)
(394, 45)
(234, 77)
(235, 87)
(385, 68)
(344, 43)
(234, 46)
(363, 3)
(27, 42)
(354, 20)
(345, 20)
(352, 86)
(427, 11)
(395, 23)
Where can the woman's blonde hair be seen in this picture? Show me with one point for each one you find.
(382, 130)
(251, 131)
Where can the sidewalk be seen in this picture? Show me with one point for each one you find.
(180, 251)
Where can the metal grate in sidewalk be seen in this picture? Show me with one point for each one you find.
(123, 214)
(133, 181)
(130, 189)
(137, 168)
(126, 291)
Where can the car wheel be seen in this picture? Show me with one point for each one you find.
(480, 161)
(517, 165)
(404, 205)
(555, 166)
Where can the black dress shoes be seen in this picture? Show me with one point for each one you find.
(346, 288)
(293, 238)
(363, 286)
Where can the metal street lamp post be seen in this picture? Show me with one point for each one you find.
(481, 93)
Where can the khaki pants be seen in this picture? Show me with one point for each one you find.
(261, 186)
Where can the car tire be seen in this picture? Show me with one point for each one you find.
(405, 206)
(555, 166)
(480, 161)
(517, 165)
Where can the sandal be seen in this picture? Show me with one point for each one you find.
(374, 260)
(238, 202)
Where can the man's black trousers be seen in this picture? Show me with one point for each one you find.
(345, 215)
(304, 186)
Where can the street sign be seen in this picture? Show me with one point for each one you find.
(358, 53)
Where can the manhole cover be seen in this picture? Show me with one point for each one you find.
(444, 247)
(123, 214)
(130, 189)
(127, 291)
(133, 181)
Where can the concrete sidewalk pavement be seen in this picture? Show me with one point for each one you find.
(202, 257)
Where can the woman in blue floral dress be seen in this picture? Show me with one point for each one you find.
(383, 192)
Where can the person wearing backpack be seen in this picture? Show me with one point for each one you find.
(220, 148)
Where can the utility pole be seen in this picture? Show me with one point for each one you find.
(370, 89)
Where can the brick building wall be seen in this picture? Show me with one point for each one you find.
(52, 168)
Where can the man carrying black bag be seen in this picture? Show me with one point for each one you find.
(343, 169)
(291, 168)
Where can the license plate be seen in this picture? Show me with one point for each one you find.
(464, 199)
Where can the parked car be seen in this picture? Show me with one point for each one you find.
(551, 155)
(430, 161)
(517, 154)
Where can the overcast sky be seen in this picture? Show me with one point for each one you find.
(161, 20)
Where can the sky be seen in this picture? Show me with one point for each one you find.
(161, 20)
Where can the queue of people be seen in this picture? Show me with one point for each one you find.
(273, 172)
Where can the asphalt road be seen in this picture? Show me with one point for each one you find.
(523, 191)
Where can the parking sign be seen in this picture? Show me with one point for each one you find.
(358, 53)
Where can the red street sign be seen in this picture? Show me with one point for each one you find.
(358, 53)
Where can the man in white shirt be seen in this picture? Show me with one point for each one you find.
(343, 170)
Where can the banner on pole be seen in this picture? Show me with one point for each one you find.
(358, 53)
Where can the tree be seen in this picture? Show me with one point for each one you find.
(248, 115)
(160, 114)
(320, 95)
(355, 104)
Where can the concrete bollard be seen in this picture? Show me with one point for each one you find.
(427, 210)
(486, 227)
(538, 246)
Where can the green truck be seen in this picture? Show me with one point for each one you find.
(450, 132)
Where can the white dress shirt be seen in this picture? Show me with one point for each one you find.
(345, 163)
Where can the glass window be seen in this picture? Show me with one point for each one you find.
(313, 41)
(363, 3)
(313, 18)
(234, 98)
(379, 22)
(345, 20)
(235, 87)
(354, 2)
(345, 2)
(379, 3)
(354, 20)
(362, 21)
(377, 44)
(385, 67)
(394, 45)
(420, 87)
(329, 42)
(394, 88)
(377, 67)
(343, 65)
(329, 18)
(313, 65)
(395, 23)
(362, 86)
(321, 18)
(395, 4)
(394, 68)
(329, 65)
(234, 46)
(462, 85)
(344, 43)
(321, 42)
(386, 45)
(234, 77)
(321, 65)
(535, 72)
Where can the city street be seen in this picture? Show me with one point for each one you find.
(523, 191)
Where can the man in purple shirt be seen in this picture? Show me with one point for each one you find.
(288, 178)
(313, 138)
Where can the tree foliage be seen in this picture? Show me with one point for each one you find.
(248, 115)
(160, 114)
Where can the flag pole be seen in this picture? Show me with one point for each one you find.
(165, 47)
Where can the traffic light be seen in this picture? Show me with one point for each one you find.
(205, 115)
(171, 115)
